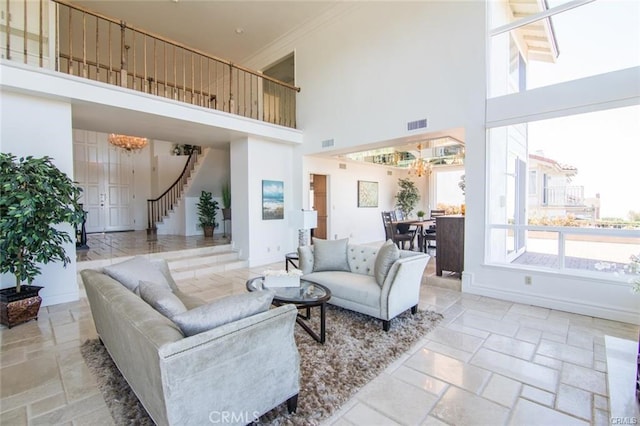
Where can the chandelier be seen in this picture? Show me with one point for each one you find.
(420, 167)
(128, 143)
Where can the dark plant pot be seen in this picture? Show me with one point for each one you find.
(16, 308)
(226, 214)
(208, 231)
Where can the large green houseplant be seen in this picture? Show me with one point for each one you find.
(35, 197)
(207, 207)
(407, 196)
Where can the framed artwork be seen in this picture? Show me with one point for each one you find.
(272, 199)
(367, 194)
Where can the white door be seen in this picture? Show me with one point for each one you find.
(105, 175)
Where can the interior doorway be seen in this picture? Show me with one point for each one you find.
(318, 192)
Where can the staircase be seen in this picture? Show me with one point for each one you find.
(162, 211)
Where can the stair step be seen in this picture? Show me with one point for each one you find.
(202, 259)
(203, 270)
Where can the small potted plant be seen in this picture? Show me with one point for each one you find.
(207, 207)
(34, 197)
(421, 214)
(226, 201)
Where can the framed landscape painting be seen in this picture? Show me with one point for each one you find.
(367, 194)
(272, 199)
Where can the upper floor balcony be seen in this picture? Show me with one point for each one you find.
(69, 39)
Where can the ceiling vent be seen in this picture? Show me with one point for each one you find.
(389, 173)
(327, 143)
(418, 124)
(343, 166)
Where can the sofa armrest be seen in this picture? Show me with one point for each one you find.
(244, 369)
(401, 288)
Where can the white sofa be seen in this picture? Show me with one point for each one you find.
(359, 284)
(230, 374)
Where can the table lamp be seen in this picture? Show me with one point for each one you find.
(306, 220)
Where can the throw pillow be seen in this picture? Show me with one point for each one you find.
(129, 272)
(223, 311)
(386, 256)
(330, 255)
(161, 299)
(305, 259)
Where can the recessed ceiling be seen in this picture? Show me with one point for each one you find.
(211, 26)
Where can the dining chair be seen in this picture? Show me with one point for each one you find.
(391, 232)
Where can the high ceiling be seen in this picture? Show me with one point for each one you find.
(232, 30)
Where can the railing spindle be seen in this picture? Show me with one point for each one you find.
(84, 45)
(8, 55)
(40, 35)
(24, 33)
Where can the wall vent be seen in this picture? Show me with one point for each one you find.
(418, 124)
(342, 166)
(389, 173)
(327, 143)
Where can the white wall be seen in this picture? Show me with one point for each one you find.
(368, 71)
(254, 160)
(346, 219)
(38, 126)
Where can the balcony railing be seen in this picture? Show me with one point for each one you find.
(74, 40)
(564, 196)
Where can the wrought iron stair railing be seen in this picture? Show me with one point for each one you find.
(159, 208)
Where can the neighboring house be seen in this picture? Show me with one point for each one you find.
(366, 70)
(551, 194)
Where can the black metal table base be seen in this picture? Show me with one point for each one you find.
(302, 320)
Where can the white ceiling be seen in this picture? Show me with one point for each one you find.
(211, 25)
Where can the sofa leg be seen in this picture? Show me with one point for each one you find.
(414, 309)
(386, 324)
(292, 404)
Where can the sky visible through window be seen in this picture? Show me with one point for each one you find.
(604, 146)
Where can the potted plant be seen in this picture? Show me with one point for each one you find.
(462, 184)
(34, 197)
(226, 201)
(421, 214)
(407, 197)
(207, 207)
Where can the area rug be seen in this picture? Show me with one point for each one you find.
(356, 351)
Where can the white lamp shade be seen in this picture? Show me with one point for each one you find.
(307, 219)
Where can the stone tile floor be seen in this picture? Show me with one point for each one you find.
(489, 362)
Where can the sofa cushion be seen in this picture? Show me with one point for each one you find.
(223, 311)
(129, 272)
(161, 298)
(386, 256)
(330, 255)
(359, 288)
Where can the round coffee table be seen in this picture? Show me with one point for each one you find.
(307, 296)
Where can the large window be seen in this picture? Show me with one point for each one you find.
(594, 38)
(585, 219)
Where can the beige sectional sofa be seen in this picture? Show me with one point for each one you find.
(381, 281)
(230, 374)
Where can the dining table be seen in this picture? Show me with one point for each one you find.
(420, 224)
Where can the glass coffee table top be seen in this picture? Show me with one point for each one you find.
(307, 293)
(307, 296)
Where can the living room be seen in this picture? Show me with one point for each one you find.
(444, 82)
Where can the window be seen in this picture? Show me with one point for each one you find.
(585, 215)
(601, 36)
(533, 183)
